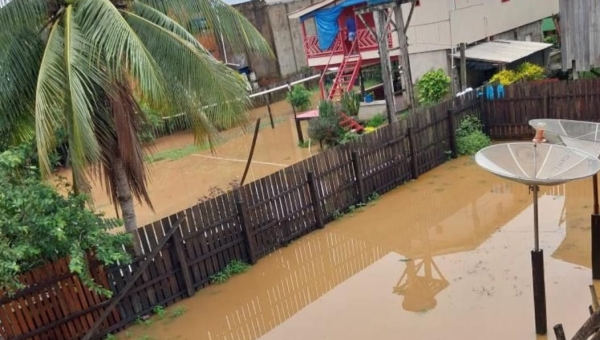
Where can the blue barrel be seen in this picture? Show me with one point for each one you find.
(378, 2)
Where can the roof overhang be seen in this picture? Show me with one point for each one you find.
(503, 51)
(307, 10)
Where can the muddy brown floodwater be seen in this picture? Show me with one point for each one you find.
(444, 257)
(177, 184)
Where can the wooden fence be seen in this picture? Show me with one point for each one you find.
(269, 213)
(507, 118)
(246, 225)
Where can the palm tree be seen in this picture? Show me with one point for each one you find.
(87, 66)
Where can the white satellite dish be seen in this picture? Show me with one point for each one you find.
(541, 164)
(577, 134)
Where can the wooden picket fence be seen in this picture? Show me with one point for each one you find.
(507, 118)
(264, 215)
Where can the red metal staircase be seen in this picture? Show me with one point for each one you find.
(345, 77)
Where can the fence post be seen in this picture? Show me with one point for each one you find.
(185, 269)
(244, 223)
(359, 179)
(485, 115)
(314, 195)
(452, 133)
(269, 109)
(413, 154)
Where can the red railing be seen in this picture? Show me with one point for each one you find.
(325, 70)
(366, 42)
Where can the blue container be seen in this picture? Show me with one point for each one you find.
(368, 98)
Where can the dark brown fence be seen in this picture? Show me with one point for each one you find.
(243, 225)
(508, 118)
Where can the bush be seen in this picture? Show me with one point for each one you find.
(37, 225)
(350, 103)
(376, 121)
(470, 137)
(327, 126)
(433, 87)
(153, 120)
(526, 71)
(299, 98)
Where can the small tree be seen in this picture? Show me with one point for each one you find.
(327, 126)
(433, 87)
(299, 98)
(37, 225)
(526, 71)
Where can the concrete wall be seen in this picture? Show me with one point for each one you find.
(421, 63)
(529, 32)
(257, 13)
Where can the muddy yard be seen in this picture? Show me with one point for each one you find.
(444, 257)
(181, 173)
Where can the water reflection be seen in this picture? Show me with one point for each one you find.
(419, 289)
(467, 234)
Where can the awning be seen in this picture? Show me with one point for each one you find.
(503, 51)
(307, 10)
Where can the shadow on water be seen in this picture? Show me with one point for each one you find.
(452, 246)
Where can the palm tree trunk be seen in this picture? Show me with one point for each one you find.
(126, 203)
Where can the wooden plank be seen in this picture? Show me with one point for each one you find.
(131, 283)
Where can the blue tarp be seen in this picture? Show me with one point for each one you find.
(326, 21)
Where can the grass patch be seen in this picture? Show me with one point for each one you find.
(233, 268)
(175, 154)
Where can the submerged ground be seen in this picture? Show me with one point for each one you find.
(444, 257)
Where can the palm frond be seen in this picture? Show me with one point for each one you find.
(20, 57)
(83, 76)
(221, 20)
(116, 125)
(49, 95)
(17, 14)
(210, 90)
(103, 24)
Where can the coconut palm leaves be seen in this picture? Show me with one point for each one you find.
(84, 66)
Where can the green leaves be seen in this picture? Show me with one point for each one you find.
(433, 87)
(37, 224)
(469, 136)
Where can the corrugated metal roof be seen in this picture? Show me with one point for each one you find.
(306, 10)
(503, 51)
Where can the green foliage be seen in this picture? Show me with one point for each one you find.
(327, 126)
(551, 39)
(234, 267)
(347, 137)
(179, 311)
(37, 224)
(470, 137)
(526, 71)
(350, 103)
(433, 87)
(110, 337)
(160, 311)
(152, 120)
(376, 121)
(299, 97)
(304, 144)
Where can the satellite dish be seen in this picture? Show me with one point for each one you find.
(581, 135)
(541, 164)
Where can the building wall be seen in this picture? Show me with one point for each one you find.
(421, 63)
(257, 13)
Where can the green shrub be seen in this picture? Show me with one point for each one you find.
(152, 121)
(37, 225)
(526, 71)
(299, 98)
(234, 267)
(376, 121)
(350, 103)
(327, 126)
(470, 137)
(348, 137)
(433, 87)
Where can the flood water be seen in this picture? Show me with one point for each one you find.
(177, 184)
(444, 257)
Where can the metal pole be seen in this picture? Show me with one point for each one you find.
(536, 230)
(537, 269)
(595, 184)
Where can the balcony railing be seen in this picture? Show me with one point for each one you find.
(366, 42)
